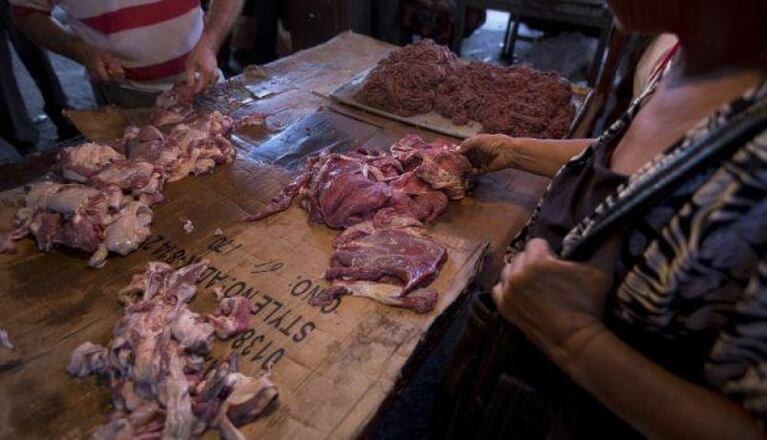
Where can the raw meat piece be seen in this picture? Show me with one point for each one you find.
(420, 301)
(174, 106)
(199, 146)
(387, 218)
(249, 398)
(8, 243)
(73, 215)
(5, 341)
(192, 334)
(516, 100)
(343, 191)
(381, 200)
(232, 317)
(126, 174)
(146, 145)
(411, 195)
(80, 163)
(187, 225)
(351, 198)
(154, 364)
(87, 359)
(129, 229)
(284, 199)
(438, 164)
(111, 210)
(406, 80)
(390, 255)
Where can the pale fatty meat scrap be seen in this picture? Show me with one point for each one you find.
(5, 341)
(187, 225)
(515, 100)
(102, 200)
(174, 106)
(381, 201)
(155, 364)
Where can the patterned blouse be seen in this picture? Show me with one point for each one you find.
(691, 289)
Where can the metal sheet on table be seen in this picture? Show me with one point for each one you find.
(433, 121)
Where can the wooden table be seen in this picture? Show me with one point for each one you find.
(335, 367)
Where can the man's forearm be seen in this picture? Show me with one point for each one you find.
(654, 401)
(46, 31)
(545, 156)
(220, 19)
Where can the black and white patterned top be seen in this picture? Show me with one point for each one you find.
(692, 272)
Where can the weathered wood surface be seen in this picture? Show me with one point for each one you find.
(335, 366)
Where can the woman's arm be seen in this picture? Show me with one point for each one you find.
(557, 304)
(654, 401)
(493, 152)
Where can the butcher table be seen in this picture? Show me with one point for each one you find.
(335, 366)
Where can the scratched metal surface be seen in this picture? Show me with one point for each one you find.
(335, 367)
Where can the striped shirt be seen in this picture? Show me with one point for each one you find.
(150, 38)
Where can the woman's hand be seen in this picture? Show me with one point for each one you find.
(557, 304)
(202, 65)
(488, 152)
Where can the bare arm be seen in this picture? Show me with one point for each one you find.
(654, 401)
(545, 156)
(220, 19)
(46, 31)
(558, 305)
(493, 152)
(201, 64)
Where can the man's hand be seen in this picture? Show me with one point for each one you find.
(488, 152)
(101, 66)
(557, 304)
(202, 66)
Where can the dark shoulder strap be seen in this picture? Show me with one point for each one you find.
(711, 149)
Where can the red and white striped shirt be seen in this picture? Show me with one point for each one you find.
(150, 38)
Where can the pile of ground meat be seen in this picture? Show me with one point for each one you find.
(516, 100)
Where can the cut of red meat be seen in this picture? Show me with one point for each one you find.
(394, 256)
(414, 197)
(381, 200)
(438, 164)
(349, 199)
(284, 199)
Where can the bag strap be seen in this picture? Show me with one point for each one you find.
(712, 149)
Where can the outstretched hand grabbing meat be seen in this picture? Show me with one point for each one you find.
(488, 152)
(495, 152)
